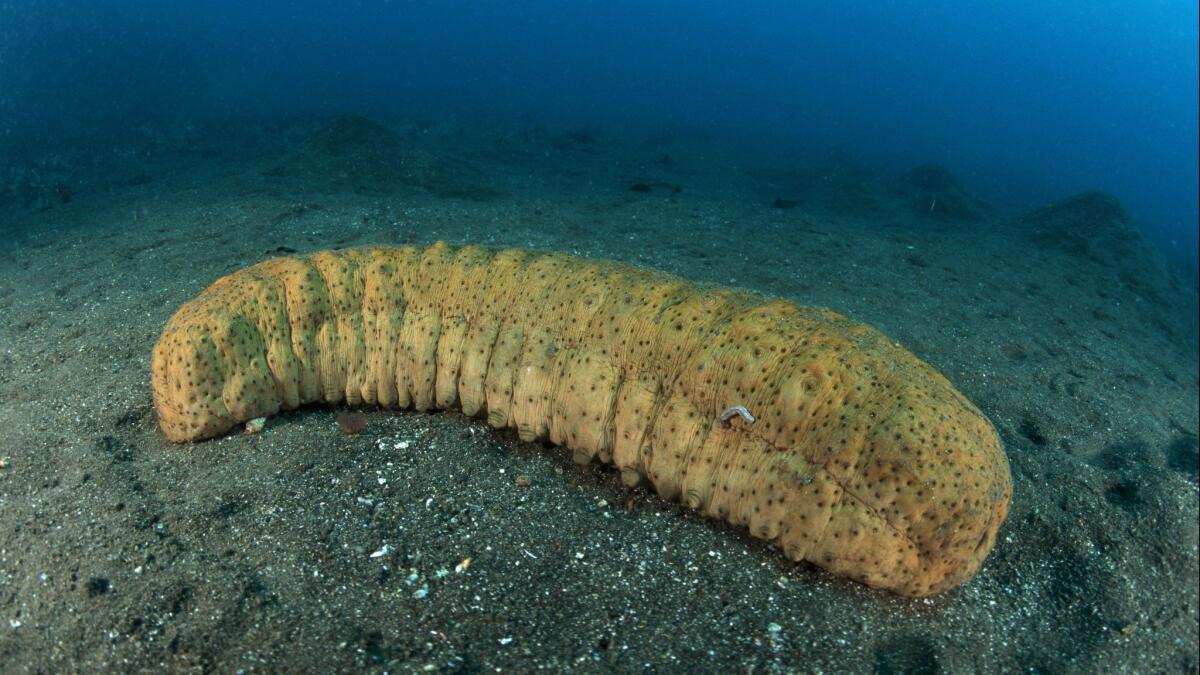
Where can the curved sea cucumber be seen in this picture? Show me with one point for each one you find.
(863, 459)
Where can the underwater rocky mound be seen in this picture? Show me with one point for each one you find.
(1089, 224)
(352, 152)
(815, 432)
(934, 192)
(1094, 227)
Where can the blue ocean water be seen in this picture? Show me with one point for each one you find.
(1026, 101)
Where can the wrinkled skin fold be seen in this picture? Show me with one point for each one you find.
(861, 458)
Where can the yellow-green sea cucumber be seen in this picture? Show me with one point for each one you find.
(852, 453)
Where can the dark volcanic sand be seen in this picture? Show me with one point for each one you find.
(306, 549)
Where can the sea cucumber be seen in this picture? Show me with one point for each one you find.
(864, 460)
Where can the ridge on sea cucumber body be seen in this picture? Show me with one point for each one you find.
(851, 452)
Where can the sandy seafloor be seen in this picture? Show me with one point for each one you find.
(122, 552)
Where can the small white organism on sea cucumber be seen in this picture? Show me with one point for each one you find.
(737, 411)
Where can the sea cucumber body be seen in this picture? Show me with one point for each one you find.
(862, 459)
